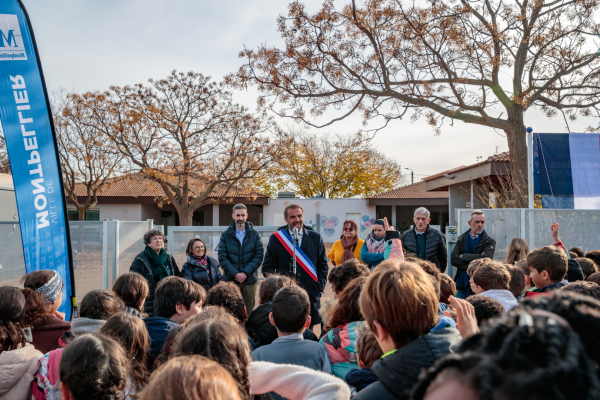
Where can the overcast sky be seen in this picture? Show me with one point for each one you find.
(90, 45)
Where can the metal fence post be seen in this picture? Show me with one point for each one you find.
(105, 254)
(150, 224)
(116, 252)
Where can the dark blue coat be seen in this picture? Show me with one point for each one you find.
(279, 261)
(158, 329)
(246, 257)
(194, 272)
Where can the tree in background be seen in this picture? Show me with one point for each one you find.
(4, 162)
(184, 133)
(330, 166)
(88, 159)
(481, 62)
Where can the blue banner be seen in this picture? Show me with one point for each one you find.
(30, 140)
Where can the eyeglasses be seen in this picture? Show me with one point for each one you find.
(348, 229)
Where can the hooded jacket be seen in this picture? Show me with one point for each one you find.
(83, 325)
(505, 298)
(158, 329)
(16, 372)
(399, 371)
(435, 246)
(245, 257)
(279, 261)
(142, 266)
(192, 271)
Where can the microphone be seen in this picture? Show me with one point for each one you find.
(295, 234)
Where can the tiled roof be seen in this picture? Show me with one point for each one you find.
(136, 186)
(414, 191)
(502, 157)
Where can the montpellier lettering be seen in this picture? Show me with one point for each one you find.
(33, 160)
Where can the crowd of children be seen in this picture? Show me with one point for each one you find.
(394, 332)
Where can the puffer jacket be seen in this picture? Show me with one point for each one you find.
(192, 271)
(340, 344)
(16, 372)
(435, 246)
(142, 266)
(245, 257)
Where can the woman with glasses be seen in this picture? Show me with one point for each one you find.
(349, 246)
(199, 267)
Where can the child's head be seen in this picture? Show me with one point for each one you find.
(522, 265)
(367, 349)
(517, 251)
(548, 265)
(447, 288)
(341, 275)
(577, 250)
(132, 335)
(271, 285)
(212, 312)
(132, 288)
(43, 291)
(193, 378)
(228, 296)
(291, 310)
(517, 280)
(486, 308)
(223, 342)
(489, 276)
(473, 265)
(100, 304)
(594, 278)
(399, 303)
(178, 299)
(593, 255)
(93, 367)
(430, 268)
(12, 312)
(588, 267)
(584, 288)
(348, 308)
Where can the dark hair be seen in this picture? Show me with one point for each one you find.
(491, 275)
(367, 348)
(37, 308)
(223, 342)
(588, 267)
(486, 308)
(12, 312)
(583, 287)
(525, 356)
(291, 308)
(191, 378)
(132, 288)
(573, 255)
(379, 222)
(292, 207)
(594, 278)
(174, 290)
(447, 288)
(341, 275)
(100, 304)
(169, 344)
(132, 334)
(94, 367)
(190, 246)
(593, 255)
(348, 309)
(150, 234)
(517, 280)
(229, 296)
(551, 259)
(271, 285)
(577, 250)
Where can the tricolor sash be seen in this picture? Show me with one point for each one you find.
(301, 259)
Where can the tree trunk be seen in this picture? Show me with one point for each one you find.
(185, 215)
(517, 145)
(81, 214)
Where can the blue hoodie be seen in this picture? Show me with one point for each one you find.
(158, 329)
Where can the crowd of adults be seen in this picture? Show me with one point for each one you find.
(398, 327)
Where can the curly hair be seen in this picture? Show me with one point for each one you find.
(537, 353)
(348, 309)
(12, 312)
(223, 342)
(94, 367)
(132, 288)
(584, 288)
(271, 285)
(100, 304)
(228, 296)
(150, 234)
(132, 334)
(486, 308)
(340, 276)
(37, 309)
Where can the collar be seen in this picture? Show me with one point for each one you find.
(300, 231)
(238, 232)
(420, 233)
(293, 336)
(389, 353)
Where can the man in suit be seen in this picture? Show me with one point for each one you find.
(311, 274)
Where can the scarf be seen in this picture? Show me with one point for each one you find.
(158, 262)
(200, 261)
(348, 247)
(375, 244)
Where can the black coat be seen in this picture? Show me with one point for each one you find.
(262, 331)
(142, 266)
(435, 246)
(279, 261)
(246, 257)
(399, 371)
(485, 248)
(193, 272)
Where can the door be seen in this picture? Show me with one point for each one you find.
(354, 217)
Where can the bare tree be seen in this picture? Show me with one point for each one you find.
(484, 62)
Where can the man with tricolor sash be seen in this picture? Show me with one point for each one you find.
(311, 260)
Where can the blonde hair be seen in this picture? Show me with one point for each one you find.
(517, 251)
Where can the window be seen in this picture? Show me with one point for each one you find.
(90, 215)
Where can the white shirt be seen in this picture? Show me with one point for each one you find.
(300, 233)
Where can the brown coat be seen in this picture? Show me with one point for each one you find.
(47, 332)
(16, 372)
